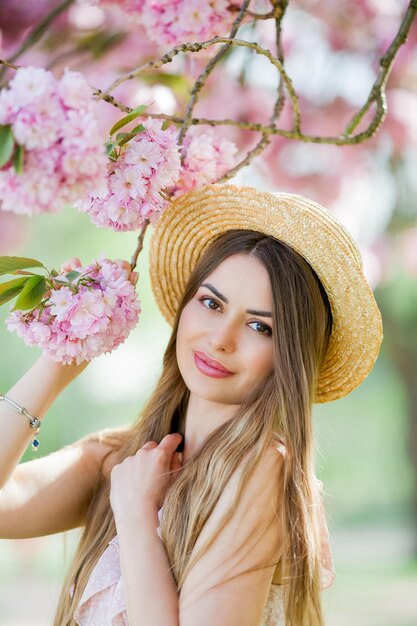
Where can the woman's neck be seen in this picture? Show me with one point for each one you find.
(201, 418)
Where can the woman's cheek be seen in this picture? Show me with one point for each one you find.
(262, 361)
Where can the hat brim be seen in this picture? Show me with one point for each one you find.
(193, 221)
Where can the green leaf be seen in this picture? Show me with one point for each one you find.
(10, 289)
(113, 155)
(61, 280)
(9, 264)
(128, 118)
(72, 275)
(109, 146)
(16, 282)
(31, 294)
(138, 129)
(122, 138)
(6, 144)
(18, 159)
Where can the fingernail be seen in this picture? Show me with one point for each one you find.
(180, 457)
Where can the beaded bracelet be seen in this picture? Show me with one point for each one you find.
(34, 422)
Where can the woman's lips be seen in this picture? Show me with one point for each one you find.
(204, 368)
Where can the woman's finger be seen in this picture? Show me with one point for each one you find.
(171, 441)
(149, 445)
(176, 463)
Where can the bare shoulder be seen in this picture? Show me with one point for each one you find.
(259, 498)
(267, 475)
(109, 460)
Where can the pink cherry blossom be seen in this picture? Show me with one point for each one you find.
(79, 322)
(55, 121)
(170, 22)
(30, 84)
(74, 91)
(145, 166)
(130, 6)
(208, 157)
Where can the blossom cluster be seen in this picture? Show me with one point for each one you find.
(175, 21)
(207, 158)
(170, 22)
(84, 318)
(54, 125)
(147, 164)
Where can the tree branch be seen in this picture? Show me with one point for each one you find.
(139, 245)
(196, 47)
(285, 85)
(377, 93)
(199, 83)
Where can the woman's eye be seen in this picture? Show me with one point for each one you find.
(262, 329)
(205, 298)
(265, 330)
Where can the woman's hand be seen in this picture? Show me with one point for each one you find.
(140, 482)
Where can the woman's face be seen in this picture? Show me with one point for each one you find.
(229, 320)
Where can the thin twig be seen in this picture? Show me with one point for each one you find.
(196, 47)
(111, 100)
(201, 80)
(377, 93)
(280, 102)
(8, 64)
(339, 140)
(139, 246)
(260, 16)
(260, 147)
(264, 141)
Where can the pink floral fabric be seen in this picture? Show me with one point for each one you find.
(103, 603)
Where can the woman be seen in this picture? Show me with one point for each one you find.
(271, 312)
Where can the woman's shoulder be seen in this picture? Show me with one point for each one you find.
(104, 445)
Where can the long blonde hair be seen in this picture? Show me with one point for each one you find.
(282, 403)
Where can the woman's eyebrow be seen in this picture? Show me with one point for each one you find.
(222, 297)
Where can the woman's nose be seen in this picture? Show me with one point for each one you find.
(224, 336)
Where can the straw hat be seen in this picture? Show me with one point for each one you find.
(192, 222)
